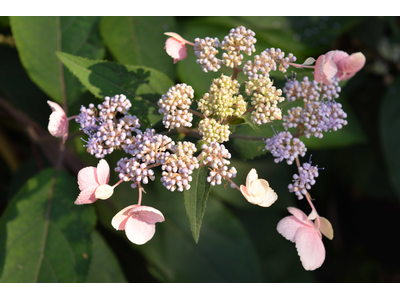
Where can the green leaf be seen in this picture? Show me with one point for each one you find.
(390, 133)
(45, 237)
(224, 253)
(139, 40)
(38, 39)
(104, 266)
(143, 86)
(196, 199)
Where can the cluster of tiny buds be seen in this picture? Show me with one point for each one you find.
(265, 99)
(310, 90)
(175, 105)
(213, 131)
(284, 146)
(107, 131)
(221, 99)
(304, 180)
(316, 117)
(205, 50)
(111, 106)
(266, 62)
(178, 167)
(149, 147)
(131, 169)
(216, 157)
(239, 39)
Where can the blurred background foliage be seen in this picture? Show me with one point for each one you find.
(358, 189)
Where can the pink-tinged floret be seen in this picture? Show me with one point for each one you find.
(176, 46)
(90, 179)
(58, 122)
(300, 230)
(138, 222)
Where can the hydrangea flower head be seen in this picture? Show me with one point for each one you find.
(93, 183)
(58, 122)
(348, 65)
(302, 231)
(325, 68)
(257, 191)
(138, 222)
(175, 46)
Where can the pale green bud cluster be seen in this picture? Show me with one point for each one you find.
(222, 100)
(239, 39)
(213, 131)
(205, 50)
(265, 98)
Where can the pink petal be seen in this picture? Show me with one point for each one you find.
(246, 194)
(176, 49)
(86, 196)
(58, 122)
(339, 55)
(103, 172)
(138, 231)
(298, 214)
(288, 227)
(351, 65)
(330, 70)
(148, 214)
(119, 220)
(87, 177)
(310, 248)
(319, 68)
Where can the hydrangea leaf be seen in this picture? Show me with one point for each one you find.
(44, 236)
(38, 39)
(196, 199)
(127, 38)
(104, 266)
(141, 85)
(173, 256)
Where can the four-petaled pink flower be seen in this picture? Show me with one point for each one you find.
(301, 230)
(58, 123)
(93, 183)
(138, 222)
(348, 65)
(339, 63)
(175, 46)
(257, 191)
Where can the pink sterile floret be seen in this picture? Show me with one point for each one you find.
(138, 222)
(301, 230)
(175, 46)
(257, 191)
(58, 122)
(93, 183)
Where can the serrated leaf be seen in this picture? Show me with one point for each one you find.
(143, 86)
(44, 236)
(139, 40)
(390, 131)
(224, 252)
(38, 39)
(196, 199)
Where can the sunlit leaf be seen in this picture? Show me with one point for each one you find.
(139, 40)
(143, 86)
(38, 39)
